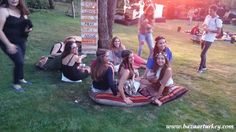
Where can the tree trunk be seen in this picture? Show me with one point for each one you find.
(103, 33)
(51, 4)
(111, 10)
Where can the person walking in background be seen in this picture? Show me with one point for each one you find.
(14, 29)
(212, 26)
(191, 15)
(145, 29)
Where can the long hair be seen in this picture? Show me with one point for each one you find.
(67, 50)
(112, 46)
(21, 6)
(156, 66)
(126, 64)
(156, 50)
(99, 67)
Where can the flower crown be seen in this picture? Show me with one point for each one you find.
(161, 53)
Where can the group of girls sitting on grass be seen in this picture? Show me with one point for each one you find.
(156, 82)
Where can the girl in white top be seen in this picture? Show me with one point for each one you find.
(211, 26)
(159, 79)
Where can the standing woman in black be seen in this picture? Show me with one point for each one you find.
(14, 29)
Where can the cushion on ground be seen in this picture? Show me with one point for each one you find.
(110, 99)
(177, 92)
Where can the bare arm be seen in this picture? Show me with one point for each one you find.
(79, 58)
(151, 77)
(123, 47)
(11, 48)
(56, 47)
(163, 81)
(122, 80)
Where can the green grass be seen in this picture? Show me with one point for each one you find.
(48, 104)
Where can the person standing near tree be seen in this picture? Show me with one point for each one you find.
(14, 29)
(145, 29)
(212, 26)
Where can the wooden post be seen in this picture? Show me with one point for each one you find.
(73, 8)
(89, 26)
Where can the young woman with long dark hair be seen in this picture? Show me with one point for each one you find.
(126, 72)
(145, 30)
(159, 80)
(102, 73)
(116, 48)
(14, 29)
(71, 61)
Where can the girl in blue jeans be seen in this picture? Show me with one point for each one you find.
(145, 29)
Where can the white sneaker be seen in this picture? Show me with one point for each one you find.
(18, 88)
(200, 71)
(23, 81)
(204, 69)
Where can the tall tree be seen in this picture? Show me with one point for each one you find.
(111, 10)
(106, 11)
(103, 34)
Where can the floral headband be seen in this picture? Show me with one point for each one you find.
(161, 53)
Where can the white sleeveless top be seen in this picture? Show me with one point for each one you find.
(170, 80)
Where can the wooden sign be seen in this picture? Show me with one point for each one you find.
(89, 26)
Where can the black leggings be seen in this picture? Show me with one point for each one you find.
(205, 45)
(18, 60)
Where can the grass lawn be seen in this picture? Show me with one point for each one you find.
(48, 104)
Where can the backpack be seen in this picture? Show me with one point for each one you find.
(219, 35)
